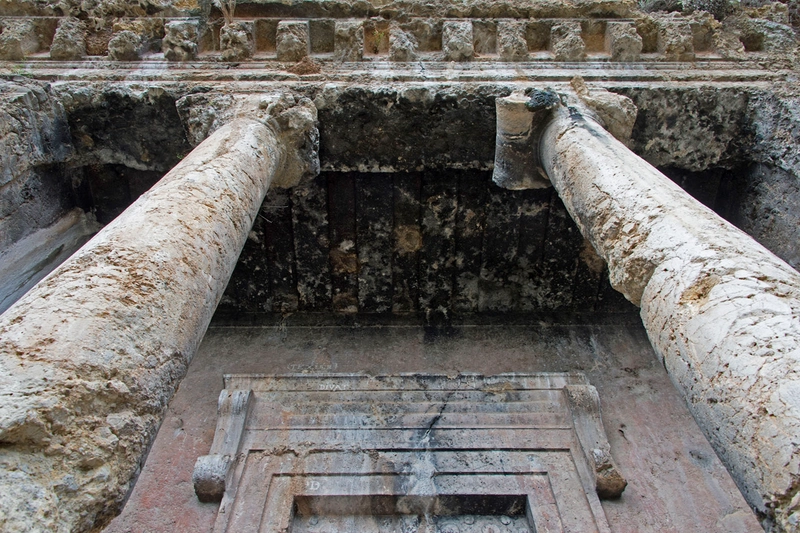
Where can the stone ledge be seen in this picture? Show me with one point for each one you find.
(660, 37)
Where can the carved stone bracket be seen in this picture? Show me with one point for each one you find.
(211, 472)
(584, 402)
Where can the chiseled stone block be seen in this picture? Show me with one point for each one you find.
(180, 40)
(69, 42)
(348, 40)
(237, 41)
(125, 46)
(566, 42)
(675, 38)
(457, 40)
(292, 42)
(512, 44)
(623, 42)
(402, 45)
(18, 39)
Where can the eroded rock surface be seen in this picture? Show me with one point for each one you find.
(511, 41)
(292, 40)
(675, 37)
(125, 46)
(69, 42)
(402, 44)
(349, 41)
(457, 40)
(180, 40)
(769, 191)
(237, 41)
(17, 39)
(616, 112)
(694, 129)
(566, 42)
(34, 136)
(623, 42)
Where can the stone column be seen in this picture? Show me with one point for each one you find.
(721, 310)
(90, 357)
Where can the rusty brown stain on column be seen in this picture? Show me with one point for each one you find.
(90, 357)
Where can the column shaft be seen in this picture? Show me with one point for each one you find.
(90, 357)
(721, 310)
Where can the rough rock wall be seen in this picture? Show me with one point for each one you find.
(693, 128)
(126, 124)
(372, 129)
(768, 203)
(126, 137)
(34, 140)
(747, 139)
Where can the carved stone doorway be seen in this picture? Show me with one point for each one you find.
(314, 453)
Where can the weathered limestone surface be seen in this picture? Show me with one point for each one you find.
(180, 40)
(515, 163)
(622, 41)
(675, 37)
(720, 309)
(457, 40)
(315, 434)
(204, 114)
(775, 119)
(402, 44)
(149, 30)
(34, 135)
(332, 8)
(763, 31)
(348, 40)
(697, 128)
(292, 40)
(767, 209)
(125, 46)
(705, 127)
(237, 41)
(511, 42)
(69, 42)
(90, 357)
(17, 39)
(112, 126)
(617, 113)
(29, 260)
(566, 42)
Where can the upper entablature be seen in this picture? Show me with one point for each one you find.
(405, 31)
(327, 8)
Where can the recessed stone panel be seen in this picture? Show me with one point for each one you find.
(345, 452)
